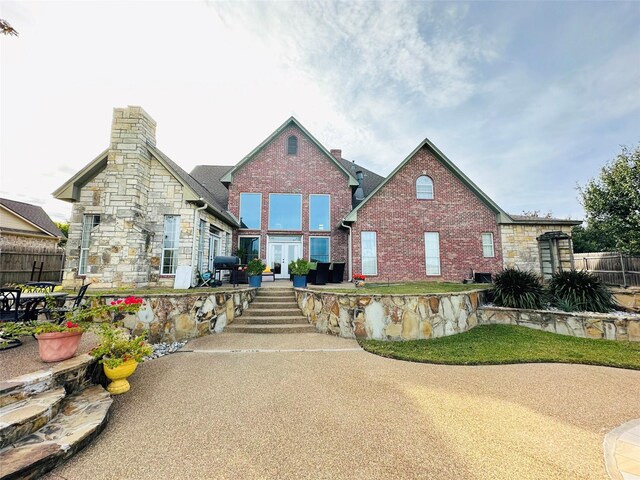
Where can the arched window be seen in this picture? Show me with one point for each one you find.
(424, 188)
(292, 145)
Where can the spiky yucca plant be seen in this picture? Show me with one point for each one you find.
(515, 288)
(579, 290)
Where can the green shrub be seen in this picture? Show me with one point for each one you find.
(576, 290)
(515, 288)
(299, 267)
(255, 267)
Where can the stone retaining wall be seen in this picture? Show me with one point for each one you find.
(172, 317)
(628, 298)
(390, 317)
(586, 325)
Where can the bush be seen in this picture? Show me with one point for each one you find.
(299, 267)
(515, 288)
(255, 267)
(574, 290)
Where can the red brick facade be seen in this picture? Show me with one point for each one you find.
(401, 220)
(272, 170)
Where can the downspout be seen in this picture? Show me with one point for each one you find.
(350, 250)
(196, 224)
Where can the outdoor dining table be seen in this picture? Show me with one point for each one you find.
(28, 296)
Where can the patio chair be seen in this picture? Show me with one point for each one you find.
(58, 313)
(336, 273)
(311, 276)
(9, 312)
(322, 273)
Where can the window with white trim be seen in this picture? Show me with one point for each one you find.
(319, 212)
(369, 248)
(285, 211)
(319, 249)
(170, 244)
(89, 222)
(432, 252)
(250, 210)
(202, 232)
(424, 188)
(487, 245)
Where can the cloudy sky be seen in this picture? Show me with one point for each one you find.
(528, 99)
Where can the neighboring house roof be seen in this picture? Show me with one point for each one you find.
(503, 217)
(228, 177)
(209, 177)
(529, 219)
(70, 190)
(33, 214)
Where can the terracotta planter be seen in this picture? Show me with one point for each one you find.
(118, 376)
(58, 346)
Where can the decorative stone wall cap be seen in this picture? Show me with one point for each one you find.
(604, 316)
(95, 294)
(356, 293)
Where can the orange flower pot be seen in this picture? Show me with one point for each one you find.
(58, 346)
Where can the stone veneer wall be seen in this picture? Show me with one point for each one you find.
(390, 317)
(520, 247)
(173, 317)
(586, 325)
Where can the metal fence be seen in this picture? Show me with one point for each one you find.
(610, 267)
(20, 265)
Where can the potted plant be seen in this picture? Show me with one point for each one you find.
(359, 280)
(254, 272)
(56, 341)
(299, 268)
(119, 353)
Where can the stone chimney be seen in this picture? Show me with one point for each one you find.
(337, 153)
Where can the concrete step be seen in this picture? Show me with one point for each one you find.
(275, 305)
(82, 417)
(294, 319)
(271, 312)
(286, 328)
(28, 415)
(275, 292)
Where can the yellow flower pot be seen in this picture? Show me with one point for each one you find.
(118, 377)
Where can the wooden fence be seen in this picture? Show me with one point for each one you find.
(19, 265)
(610, 267)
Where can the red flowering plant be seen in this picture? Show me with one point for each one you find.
(359, 276)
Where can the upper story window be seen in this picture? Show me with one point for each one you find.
(285, 211)
(487, 245)
(292, 145)
(319, 212)
(424, 188)
(250, 210)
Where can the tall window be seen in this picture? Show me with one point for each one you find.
(285, 211)
(89, 222)
(369, 246)
(487, 245)
(202, 231)
(170, 244)
(319, 249)
(319, 212)
(292, 145)
(248, 248)
(432, 252)
(424, 188)
(250, 210)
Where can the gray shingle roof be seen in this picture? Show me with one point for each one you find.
(370, 181)
(209, 176)
(33, 214)
(543, 220)
(201, 191)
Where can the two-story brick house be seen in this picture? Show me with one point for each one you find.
(137, 215)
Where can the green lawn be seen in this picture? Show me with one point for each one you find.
(410, 288)
(501, 344)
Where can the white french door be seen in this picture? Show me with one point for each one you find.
(280, 253)
(214, 249)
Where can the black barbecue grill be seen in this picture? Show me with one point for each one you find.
(225, 263)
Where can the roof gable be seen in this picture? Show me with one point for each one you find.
(228, 177)
(503, 217)
(33, 215)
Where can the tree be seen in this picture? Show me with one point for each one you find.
(64, 228)
(612, 203)
(591, 239)
(7, 29)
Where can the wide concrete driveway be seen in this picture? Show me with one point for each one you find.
(344, 413)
